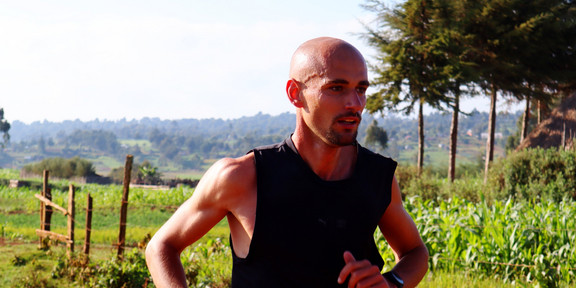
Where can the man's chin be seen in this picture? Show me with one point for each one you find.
(342, 140)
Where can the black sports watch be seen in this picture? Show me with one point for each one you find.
(394, 278)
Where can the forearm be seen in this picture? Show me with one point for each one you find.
(165, 266)
(413, 266)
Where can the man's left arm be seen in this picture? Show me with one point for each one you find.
(403, 237)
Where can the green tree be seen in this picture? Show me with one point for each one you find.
(450, 40)
(376, 136)
(101, 140)
(149, 174)
(4, 128)
(516, 48)
(409, 69)
(551, 64)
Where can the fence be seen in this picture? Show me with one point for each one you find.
(46, 214)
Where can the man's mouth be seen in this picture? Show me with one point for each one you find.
(349, 119)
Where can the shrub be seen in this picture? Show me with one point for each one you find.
(132, 272)
(535, 174)
(63, 168)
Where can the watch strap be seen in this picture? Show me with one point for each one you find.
(394, 278)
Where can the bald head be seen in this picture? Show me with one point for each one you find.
(312, 57)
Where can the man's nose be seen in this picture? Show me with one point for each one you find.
(356, 100)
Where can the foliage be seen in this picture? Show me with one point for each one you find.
(513, 241)
(144, 173)
(208, 264)
(104, 141)
(130, 272)
(537, 173)
(427, 50)
(513, 140)
(205, 265)
(201, 145)
(433, 186)
(63, 168)
(376, 135)
(9, 174)
(148, 174)
(4, 128)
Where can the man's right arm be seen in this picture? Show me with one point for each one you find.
(208, 205)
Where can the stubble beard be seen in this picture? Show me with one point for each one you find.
(337, 139)
(345, 138)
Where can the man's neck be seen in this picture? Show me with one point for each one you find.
(329, 162)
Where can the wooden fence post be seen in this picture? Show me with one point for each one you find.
(124, 207)
(88, 225)
(71, 216)
(45, 210)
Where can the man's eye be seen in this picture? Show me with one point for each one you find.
(336, 88)
(361, 90)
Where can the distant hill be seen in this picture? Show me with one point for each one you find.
(189, 143)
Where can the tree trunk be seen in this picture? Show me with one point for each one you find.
(539, 111)
(525, 120)
(454, 139)
(491, 132)
(420, 137)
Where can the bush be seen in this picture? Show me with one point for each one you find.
(132, 272)
(63, 168)
(535, 174)
(430, 186)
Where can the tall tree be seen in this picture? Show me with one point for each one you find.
(449, 18)
(487, 29)
(4, 128)
(551, 64)
(515, 48)
(376, 135)
(408, 70)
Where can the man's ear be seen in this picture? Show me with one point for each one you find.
(293, 93)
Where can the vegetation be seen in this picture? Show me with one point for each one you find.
(376, 137)
(199, 142)
(515, 241)
(428, 50)
(507, 224)
(62, 168)
(491, 235)
(4, 128)
(534, 174)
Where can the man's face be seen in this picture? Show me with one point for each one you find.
(335, 98)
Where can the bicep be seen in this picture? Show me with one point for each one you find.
(398, 227)
(202, 211)
(189, 223)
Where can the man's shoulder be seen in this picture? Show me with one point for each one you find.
(227, 168)
(369, 154)
(272, 147)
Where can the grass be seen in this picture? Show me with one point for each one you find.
(104, 164)
(21, 261)
(477, 232)
(457, 279)
(145, 145)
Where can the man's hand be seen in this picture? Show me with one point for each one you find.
(362, 273)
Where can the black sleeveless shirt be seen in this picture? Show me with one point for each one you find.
(304, 224)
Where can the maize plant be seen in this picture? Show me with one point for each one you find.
(529, 241)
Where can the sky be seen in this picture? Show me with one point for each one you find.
(171, 59)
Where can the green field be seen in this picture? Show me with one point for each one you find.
(484, 244)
